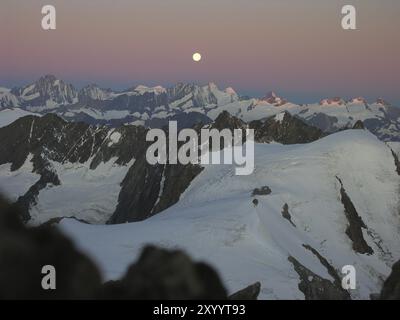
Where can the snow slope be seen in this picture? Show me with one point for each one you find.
(16, 183)
(84, 193)
(7, 99)
(87, 194)
(217, 222)
(8, 116)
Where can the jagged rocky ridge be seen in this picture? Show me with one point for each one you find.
(48, 140)
(391, 287)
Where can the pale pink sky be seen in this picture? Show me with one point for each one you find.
(296, 47)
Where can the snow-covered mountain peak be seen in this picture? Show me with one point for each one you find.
(142, 89)
(8, 99)
(212, 86)
(382, 102)
(230, 91)
(336, 101)
(271, 94)
(222, 97)
(48, 78)
(93, 91)
(47, 93)
(273, 99)
(45, 84)
(358, 100)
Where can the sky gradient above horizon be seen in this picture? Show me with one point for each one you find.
(296, 48)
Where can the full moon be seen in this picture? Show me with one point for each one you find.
(196, 57)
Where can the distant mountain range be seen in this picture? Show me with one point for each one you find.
(188, 104)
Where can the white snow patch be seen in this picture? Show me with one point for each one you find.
(8, 116)
(91, 195)
(114, 138)
(279, 117)
(14, 184)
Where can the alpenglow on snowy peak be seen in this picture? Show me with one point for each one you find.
(273, 99)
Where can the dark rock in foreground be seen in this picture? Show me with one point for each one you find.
(249, 293)
(158, 274)
(391, 287)
(356, 224)
(286, 214)
(24, 252)
(263, 191)
(162, 274)
(359, 125)
(316, 288)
